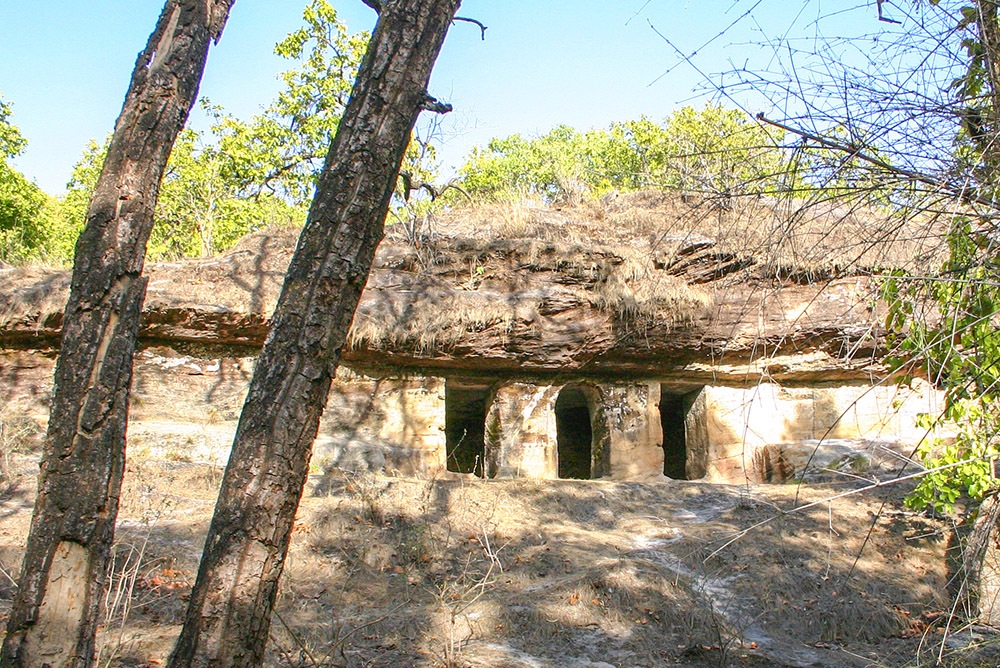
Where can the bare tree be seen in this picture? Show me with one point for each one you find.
(229, 612)
(902, 119)
(54, 616)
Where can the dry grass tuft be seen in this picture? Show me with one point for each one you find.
(436, 319)
(789, 237)
(19, 436)
(636, 292)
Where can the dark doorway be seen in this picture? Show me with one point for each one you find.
(574, 434)
(464, 427)
(685, 437)
(674, 441)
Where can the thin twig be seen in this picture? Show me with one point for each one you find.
(482, 28)
(295, 636)
(858, 152)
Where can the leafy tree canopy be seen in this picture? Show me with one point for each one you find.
(240, 176)
(24, 208)
(712, 150)
(281, 150)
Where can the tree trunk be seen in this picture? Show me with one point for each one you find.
(229, 613)
(972, 564)
(54, 617)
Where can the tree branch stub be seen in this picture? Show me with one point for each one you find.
(434, 105)
(482, 27)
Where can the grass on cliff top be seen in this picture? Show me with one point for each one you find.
(776, 235)
(641, 259)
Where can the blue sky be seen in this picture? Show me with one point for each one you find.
(66, 63)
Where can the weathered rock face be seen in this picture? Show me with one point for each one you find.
(383, 424)
(186, 408)
(657, 350)
(676, 304)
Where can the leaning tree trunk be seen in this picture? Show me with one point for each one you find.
(972, 560)
(229, 613)
(54, 617)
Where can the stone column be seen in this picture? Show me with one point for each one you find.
(633, 422)
(521, 431)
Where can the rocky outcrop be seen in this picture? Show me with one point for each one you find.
(572, 299)
(624, 344)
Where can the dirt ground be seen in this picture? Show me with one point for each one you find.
(388, 571)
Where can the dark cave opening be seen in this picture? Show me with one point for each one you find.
(465, 427)
(574, 434)
(685, 434)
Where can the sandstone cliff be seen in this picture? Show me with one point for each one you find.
(643, 284)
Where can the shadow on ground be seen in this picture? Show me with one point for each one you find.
(388, 571)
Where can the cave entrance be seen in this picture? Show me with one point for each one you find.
(685, 433)
(574, 434)
(465, 427)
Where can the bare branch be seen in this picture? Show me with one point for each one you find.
(409, 185)
(882, 17)
(482, 28)
(432, 104)
(854, 151)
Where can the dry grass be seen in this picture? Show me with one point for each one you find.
(437, 319)
(490, 289)
(389, 571)
(778, 235)
(19, 435)
(636, 292)
(790, 237)
(504, 270)
(650, 259)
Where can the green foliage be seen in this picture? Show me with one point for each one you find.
(21, 221)
(554, 166)
(72, 211)
(24, 208)
(281, 150)
(961, 350)
(245, 175)
(961, 468)
(241, 176)
(199, 210)
(202, 210)
(718, 150)
(975, 98)
(11, 140)
(712, 150)
(836, 174)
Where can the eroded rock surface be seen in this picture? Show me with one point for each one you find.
(637, 290)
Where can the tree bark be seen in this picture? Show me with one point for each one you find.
(54, 616)
(229, 613)
(972, 579)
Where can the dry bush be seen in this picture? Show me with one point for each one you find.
(636, 292)
(18, 436)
